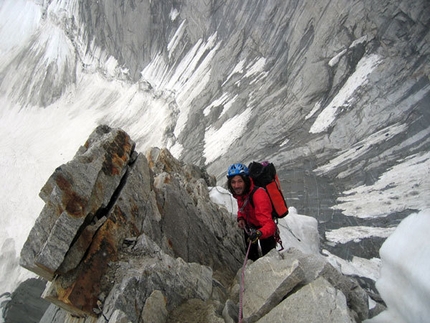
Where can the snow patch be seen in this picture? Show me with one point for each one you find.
(404, 186)
(299, 231)
(256, 69)
(215, 103)
(336, 59)
(285, 142)
(356, 233)
(359, 78)
(225, 101)
(218, 141)
(174, 13)
(358, 41)
(404, 283)
(19, 20)
(237, 69)
(369, 268)
(316, 107)
(221, 196)
(171, 46)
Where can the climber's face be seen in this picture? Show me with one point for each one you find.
(238, 185)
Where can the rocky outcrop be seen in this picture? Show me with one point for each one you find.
(107, 207)
(124, 237)
(77, 196)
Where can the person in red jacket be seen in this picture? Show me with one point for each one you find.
(254, 218)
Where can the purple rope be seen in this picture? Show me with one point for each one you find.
(242, 283)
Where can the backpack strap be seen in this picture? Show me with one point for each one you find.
(249, 199)
(252, 194)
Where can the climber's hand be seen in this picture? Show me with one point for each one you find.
(254, 236)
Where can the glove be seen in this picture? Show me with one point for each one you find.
(254, 236)
(241, 224)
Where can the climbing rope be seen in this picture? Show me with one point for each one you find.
(242, 284)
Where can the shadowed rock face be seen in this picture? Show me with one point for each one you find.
(26, 305)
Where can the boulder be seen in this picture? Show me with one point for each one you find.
(298, 287)
(318, 301)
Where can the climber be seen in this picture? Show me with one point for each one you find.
(254, 218)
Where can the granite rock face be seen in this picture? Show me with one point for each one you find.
(140, 241)
(76, 197)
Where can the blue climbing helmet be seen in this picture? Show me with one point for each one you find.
(237, 169)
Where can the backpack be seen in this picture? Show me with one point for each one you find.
(264, 175)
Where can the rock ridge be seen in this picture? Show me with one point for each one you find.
(125, 237)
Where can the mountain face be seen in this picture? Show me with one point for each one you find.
(334, 93)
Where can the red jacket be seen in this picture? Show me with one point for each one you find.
(259, 216)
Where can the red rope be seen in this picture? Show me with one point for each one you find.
(242, 283)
